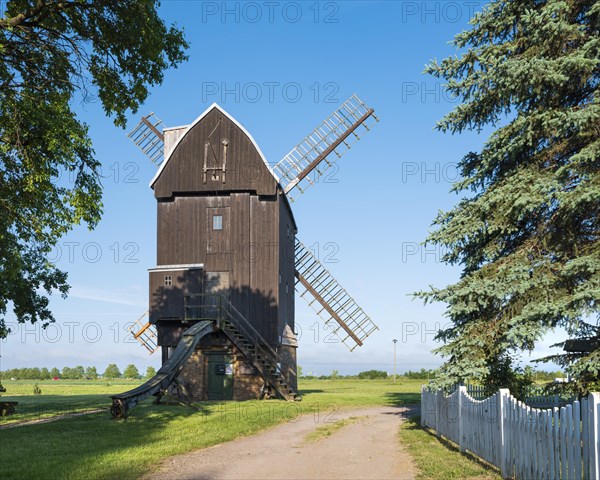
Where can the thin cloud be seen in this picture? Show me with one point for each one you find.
(106, 296)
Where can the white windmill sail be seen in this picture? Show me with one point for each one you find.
(150, 140)
(312, 157)
(147, 136)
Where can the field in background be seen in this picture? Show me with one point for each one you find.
(72, 396)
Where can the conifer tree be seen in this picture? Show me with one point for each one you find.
(526, 231)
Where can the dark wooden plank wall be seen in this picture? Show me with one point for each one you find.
(250, 243)
(264, 269)
(167, 302)
(246, 170)
(287, 233)
(255, 223)
(240, 234)
(183, 226)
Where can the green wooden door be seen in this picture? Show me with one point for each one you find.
(220, 376)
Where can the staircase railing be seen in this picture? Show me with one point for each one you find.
(217, 307)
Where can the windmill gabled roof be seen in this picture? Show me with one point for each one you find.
(191, 126)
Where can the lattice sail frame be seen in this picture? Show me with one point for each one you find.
(332, 303)
(145, 333)
(150, 140)
(312, 157)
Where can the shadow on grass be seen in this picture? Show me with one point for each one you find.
(95, 446)
(168, 411)
(398, 399)
(32, 407)
(414, 423)
(47, 407)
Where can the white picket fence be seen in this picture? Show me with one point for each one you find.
(535, 397)
(523, 442)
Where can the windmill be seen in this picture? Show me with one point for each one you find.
(217, 195)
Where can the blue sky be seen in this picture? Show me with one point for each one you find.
(280, 68)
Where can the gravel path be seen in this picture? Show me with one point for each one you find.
(366, 449)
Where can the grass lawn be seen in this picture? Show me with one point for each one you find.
(439, 459)
(95, 446)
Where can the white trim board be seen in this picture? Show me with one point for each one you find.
(184, 266)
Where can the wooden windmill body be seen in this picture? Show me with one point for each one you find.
(228, 257)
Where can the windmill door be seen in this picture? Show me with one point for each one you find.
(220, 376)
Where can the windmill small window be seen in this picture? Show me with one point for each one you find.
(217, 222)
(168, 280)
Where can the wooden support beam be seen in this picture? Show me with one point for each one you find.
(142, 330)
(326, 306)
(153, 128)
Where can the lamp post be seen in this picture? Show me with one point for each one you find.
(395, 341)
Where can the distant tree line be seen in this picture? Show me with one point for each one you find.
(369, 374)
(543, 376)
(533, 375)
(529, 373)
(372, 374)
(423, 374)
(131, 372)
(76, 373)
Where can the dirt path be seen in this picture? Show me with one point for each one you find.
(366, 449)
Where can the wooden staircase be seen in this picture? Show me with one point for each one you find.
(261, 360)
(255, 349)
